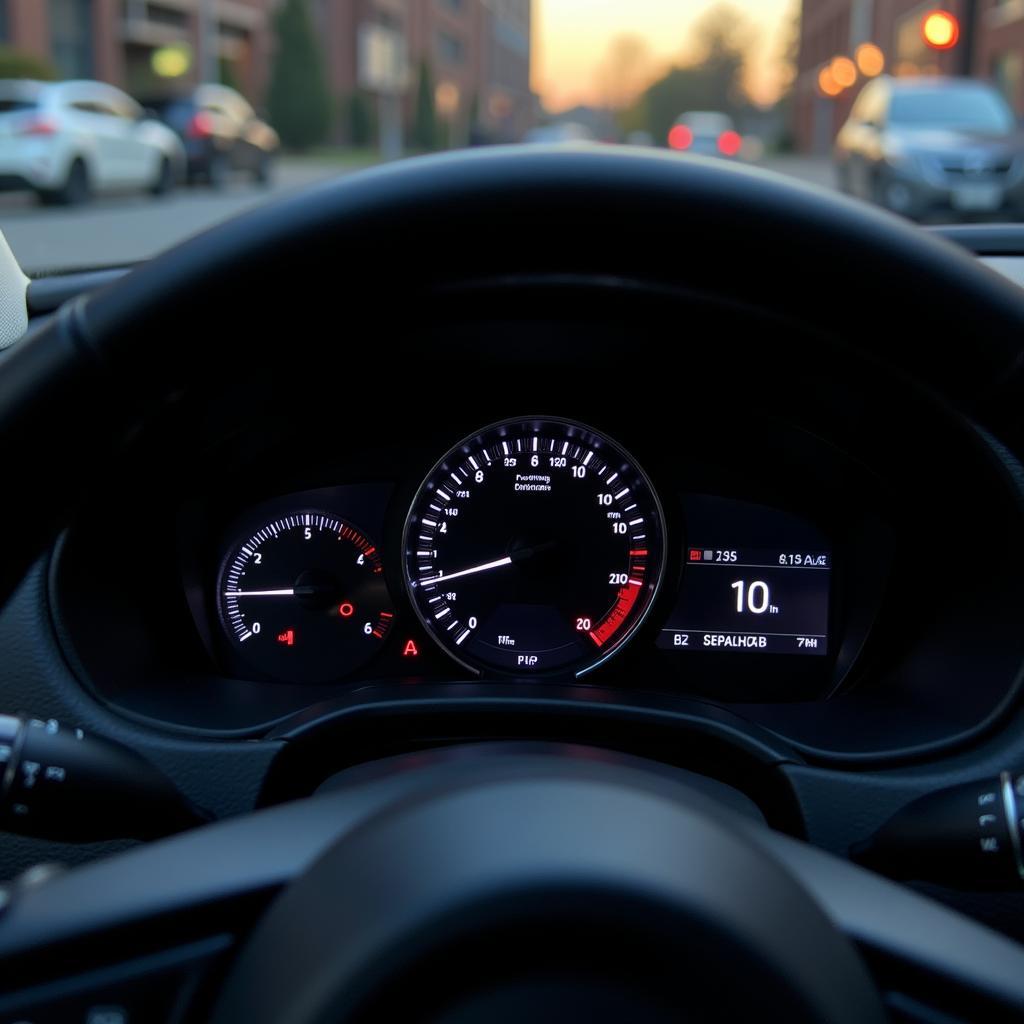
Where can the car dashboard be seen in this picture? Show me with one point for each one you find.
(809, 589)
(725, 534)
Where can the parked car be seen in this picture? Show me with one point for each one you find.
(66, 140)
(221, 133)
(560, 132)
(640, 137)
(708, 132)
(918, 145)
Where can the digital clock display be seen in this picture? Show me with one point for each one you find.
(771, 600)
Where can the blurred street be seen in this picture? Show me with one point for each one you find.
(123, 229)
(814, 170)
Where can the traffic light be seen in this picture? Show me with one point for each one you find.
(940, 30)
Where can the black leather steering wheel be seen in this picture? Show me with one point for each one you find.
(537, 882)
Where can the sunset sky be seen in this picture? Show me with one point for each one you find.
(572, 36)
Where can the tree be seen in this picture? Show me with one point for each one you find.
(712, 80)
(785, 107)
(18, 64)
(722, 40)
(362, 123)
(226, 74)
(298, 99)
(623, 71)
(424, 124)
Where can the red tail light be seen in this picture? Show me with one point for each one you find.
(680, 137)
(38, 126)
(200, 127)
(729, 143)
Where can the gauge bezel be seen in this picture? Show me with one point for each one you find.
(586, 432)
(232, 550)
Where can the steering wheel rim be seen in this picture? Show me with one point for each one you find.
(559, 865)
(111, 363)
(209, 876)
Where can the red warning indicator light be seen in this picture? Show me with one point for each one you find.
(346, 609)
(410, 650)
(287, 638)
(696, 554)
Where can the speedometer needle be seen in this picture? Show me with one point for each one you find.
(259, 593)
(507, 560)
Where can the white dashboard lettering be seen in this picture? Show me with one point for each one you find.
(726, 640)
(532, 482)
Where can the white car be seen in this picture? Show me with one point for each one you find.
(67, 140)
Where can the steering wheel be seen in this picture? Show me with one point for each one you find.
(495, 883)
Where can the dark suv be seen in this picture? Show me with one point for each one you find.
(221, 133)
(921, 144)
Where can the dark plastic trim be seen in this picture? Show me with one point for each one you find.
(985, 239)
(46, 294)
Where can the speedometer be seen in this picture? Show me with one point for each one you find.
(535, 546)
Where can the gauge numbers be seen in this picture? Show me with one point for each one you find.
(536, 546)
(304, 599)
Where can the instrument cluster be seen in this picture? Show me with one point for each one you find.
(536, 547)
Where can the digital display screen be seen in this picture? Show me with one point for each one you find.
(761, 600)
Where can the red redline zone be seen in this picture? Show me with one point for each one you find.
(607, 627)
(363, 545)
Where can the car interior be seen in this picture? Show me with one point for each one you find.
(551, 583)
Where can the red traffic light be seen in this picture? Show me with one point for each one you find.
(940, 30)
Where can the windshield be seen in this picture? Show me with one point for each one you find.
(968, 109)
(127, 127)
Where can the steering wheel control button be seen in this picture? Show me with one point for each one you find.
(965, 836)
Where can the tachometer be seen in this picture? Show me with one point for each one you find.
(535, 546)
(304, 598)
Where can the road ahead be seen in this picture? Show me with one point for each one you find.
(124, 229)
(815, 170)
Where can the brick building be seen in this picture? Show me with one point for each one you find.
(478, 50)
(991, 46)
(113, 40)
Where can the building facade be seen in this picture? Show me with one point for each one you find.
(991, 46)
(508, 107)
(477, 51)
(113, 40)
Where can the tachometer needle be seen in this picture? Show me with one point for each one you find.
(260, 593)
(507, 560)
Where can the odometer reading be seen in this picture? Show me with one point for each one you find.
(534, 547)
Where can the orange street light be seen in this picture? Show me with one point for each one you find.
(870, 60)
(446, 98)
(844, 72)
(827, 84)
(940, 30)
